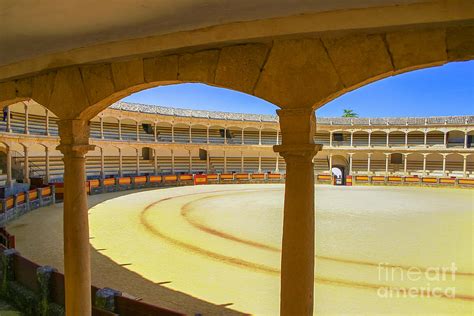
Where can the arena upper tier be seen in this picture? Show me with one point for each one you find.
(133, 139)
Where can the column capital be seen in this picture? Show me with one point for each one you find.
(298, 150)
(74, 136)
(297, 126)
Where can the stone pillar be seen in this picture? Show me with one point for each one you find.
(172, 161)
(243, 136)
(74, 145)
(464, 166)
(330, 139)
(424, 164)
(46, 158)
(425, 139)
(190, 162)
(242, 169)
(277, 163)
(26, 166)
(208, 158)
(225, 162)
(138, 162)
(9, 167)
(9, 120)
(120, 128)
(27, 127)
(350, 163)
(405, 164)
(387, 140)
(120, 163)
(102, 164)
(387, 156)
(155, 162)
(225, 135)
(368, 162)
(277, 141)
(406, 139)
(369, 139)
(297, 260)
(260, 136)
(352, 138)
(101, 120)
(172, 133)
(46, 123)
(444, 165)
(155, 135)
(465, 139)
(207, 134)
(138, 131)
(190, 134)
(330, 164)
(445, 139)
(259, 162)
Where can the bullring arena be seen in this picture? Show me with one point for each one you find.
(116, 208)
(216, 248)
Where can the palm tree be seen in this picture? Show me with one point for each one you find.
(349, 113)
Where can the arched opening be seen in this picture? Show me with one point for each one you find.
(322, 137)
(414, 162)
(146, 130)
(341, 138)
(396, 139)
(199, 133)
(378, 139)
(129, 129)
(339, 169)
(434, 164)
(181, 133)
(416, 139)
(435, 138)
(360, 139)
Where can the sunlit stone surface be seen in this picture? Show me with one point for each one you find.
(222, 244)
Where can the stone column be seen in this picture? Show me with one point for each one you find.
(445, 139)
(27, 127)
(350, 163)
(465, 139)
(243, 136)
(46, 123)
(424, 164)
(74, 145)
(138, 162)
(9, 167)
(406, 139)
(26, 166)
(368, 162)
(405, 164)
(9, 120)
(155, 162)
(102, 164)
(277, 163)
(190, 162)
(330, 139)
(155, 135)
(225, 135)
(297, 260)
(425, 138)
(444, 164)
(330, 164)
(369, 139)
(277, 142)
(208, 158)
(352, 138)
(225, 162)
(46, 153)
(242, 169)
(120, 162)
(138, 131)
(120, 128)
(172, 161)
(172, 133)
(387, 156)
(260, 136)
(387, 140)
(190, 134)
(207, 134)
(259, 162)
(464, 166)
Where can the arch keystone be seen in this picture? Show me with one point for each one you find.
(239, 66)
(127, 74)
(163, 68)
(98, 82)
(298, 73)
(43, 86)
(200, 66)
(358, 58)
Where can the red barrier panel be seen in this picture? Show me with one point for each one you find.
(466, 181)
(200, 179)
(349, 181)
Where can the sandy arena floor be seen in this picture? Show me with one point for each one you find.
(215, 250)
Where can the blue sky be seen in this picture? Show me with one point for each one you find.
(446, 90)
